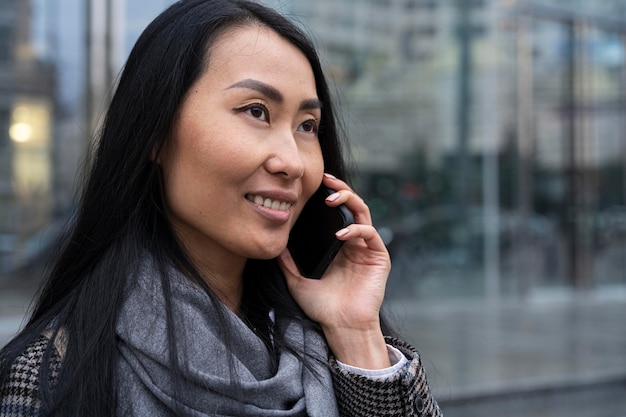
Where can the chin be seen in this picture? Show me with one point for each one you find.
(267, 252)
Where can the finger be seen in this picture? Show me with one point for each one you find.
(334, 182)
(368, 233)
(345, 195)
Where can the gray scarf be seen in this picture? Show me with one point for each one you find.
(147, 385)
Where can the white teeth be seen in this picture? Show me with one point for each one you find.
(269, 203)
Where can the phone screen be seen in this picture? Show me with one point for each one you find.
(312, 240)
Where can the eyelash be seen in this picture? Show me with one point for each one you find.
(255, 106)
(260, 106)
(315, 127)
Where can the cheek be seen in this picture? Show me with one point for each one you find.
(182, 174)
(314, 171)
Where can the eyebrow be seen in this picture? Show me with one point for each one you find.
(273, 94)
(311, 104)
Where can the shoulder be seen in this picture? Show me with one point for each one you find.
(19, 394)
(405, 393)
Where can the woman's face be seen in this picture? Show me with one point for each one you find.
(244, 156)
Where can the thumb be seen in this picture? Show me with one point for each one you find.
(296, 282)
(289, 268)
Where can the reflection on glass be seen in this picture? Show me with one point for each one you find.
(30, 132)
(27, 206)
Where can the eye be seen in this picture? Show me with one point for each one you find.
(258, 111)
(310, 126)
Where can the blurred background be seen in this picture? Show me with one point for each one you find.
(488, 137)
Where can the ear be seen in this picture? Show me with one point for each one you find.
(155, 153)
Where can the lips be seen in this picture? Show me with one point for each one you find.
(269, 203)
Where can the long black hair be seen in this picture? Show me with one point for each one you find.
(120, 215)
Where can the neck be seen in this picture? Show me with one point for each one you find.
(220, 269)
(224, 278)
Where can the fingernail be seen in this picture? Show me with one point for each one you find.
(342, 232)
(333, 197)
(331, 176)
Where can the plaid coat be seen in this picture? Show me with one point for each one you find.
(405, 394)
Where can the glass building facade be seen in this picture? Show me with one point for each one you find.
(28, 109)
(487, 136)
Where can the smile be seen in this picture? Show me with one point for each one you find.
(269, 203)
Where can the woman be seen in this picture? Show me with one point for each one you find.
(174, 294)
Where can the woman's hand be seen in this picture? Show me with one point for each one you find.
(346, 301)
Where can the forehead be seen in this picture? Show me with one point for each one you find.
(257, 50)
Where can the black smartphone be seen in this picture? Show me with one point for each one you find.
(312, 241)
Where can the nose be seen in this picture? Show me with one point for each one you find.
(285, 157)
